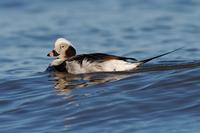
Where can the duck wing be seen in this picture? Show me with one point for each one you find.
(99, 57)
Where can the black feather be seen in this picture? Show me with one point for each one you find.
(149, 59)
(98, 57)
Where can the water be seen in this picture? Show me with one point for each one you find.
(162, 96)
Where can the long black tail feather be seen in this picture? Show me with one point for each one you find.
(149, 59)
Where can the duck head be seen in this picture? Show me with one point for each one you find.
(63, 49)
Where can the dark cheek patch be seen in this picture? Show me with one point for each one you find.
(70, 52)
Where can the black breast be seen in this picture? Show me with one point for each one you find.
(59, 68)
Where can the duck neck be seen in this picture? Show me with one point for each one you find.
(57, 62)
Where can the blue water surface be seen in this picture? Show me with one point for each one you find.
(162, 96)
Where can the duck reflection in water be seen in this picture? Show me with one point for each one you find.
(65, 82)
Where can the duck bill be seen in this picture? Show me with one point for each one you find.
(50, 54)
(53, 53)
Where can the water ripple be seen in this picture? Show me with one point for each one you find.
(161, 96)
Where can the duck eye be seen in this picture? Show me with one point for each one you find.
(62, 46)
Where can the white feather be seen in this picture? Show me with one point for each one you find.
(118, 65)
(62, 40)
(56, 62)
(106, 66)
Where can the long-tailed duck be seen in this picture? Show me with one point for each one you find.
(67, 60)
